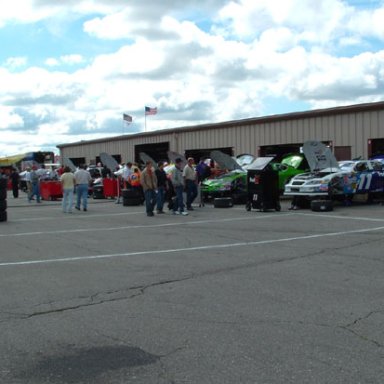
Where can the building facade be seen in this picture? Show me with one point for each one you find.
(351, 131)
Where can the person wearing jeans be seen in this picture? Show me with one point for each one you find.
(161, 186)
(190, 178)
(178, 186)
(82, 179)
(148, 181)
(68, 183)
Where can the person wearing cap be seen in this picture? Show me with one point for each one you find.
(190, 180)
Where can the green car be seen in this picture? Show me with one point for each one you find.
(234, 183)
(290, 165)
(231, 184)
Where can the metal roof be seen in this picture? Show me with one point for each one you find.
(253, 120)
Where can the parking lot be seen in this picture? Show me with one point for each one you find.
(220, 296)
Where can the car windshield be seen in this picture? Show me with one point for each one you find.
(233, 173)
(294, 161)
(346, 165)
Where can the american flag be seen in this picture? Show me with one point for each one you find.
(127, 118)
(150, 111)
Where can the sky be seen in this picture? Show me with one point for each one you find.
(70, 69)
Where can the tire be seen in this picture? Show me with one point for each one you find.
(321, 205)
(3, 194)
(98, 194)
(278, 207)
(223, 202)
(263, 207)
(131, 193)
(3, 216)
(3, 183)
(3, 205)
(248, 206)
(132, 201)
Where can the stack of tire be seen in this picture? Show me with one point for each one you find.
(3, 198)
(223, 202)
(98, 192)
(132, 196)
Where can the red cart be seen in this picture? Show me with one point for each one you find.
(110, 187)
(51, 190)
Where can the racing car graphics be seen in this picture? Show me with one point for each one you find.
(330, 179)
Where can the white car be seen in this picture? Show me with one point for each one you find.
(343, 179)
(350, 178)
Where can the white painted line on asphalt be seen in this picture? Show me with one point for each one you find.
(330, 216)
(77, 215)
(124, 228)
(190, 249)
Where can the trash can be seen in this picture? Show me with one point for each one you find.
(262, 186)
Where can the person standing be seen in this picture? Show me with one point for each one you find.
(35, 185)
(203, 171)
(67, 180)
(161, 186)
(178, 186)
(27, 178)
(127, 171)
(148, 181)
(15, 178)
(190, 179)
(82, 180)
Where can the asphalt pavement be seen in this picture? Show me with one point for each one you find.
(220, 296)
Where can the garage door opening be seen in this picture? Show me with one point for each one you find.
(158, 151)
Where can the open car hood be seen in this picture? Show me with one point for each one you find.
(319, 156)
(69, 163)
(172, 156)
(260, 163)
(225, 161)
(109, 161)
(144, 158)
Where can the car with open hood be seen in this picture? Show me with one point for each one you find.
(333, 180)
(233, 183)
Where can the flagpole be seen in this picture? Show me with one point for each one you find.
(145, 121)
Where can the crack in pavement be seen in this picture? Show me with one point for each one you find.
(138, 290)
(96, 299)
(348, 327)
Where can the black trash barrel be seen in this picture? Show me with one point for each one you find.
(263, 186)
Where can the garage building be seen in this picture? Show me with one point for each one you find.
(351, 131)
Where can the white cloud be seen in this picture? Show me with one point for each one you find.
(52, 62)
(193, 70)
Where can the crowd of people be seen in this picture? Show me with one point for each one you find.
(156, 184)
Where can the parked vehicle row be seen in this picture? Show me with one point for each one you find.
(234, 182)
(329, 179)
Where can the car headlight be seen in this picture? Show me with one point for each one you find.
(316, 181)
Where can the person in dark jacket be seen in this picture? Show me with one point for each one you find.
(161, 186)
(15, 179)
